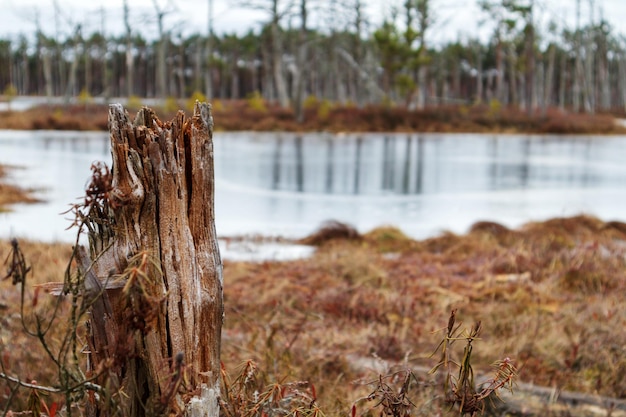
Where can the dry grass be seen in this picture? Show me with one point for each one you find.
(549, 295)
(23, 355)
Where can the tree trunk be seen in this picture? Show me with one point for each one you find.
(277, 56)
(234, 78)
(549, 80)
(301, 65)
(208, 75)
(60, 62)
(622, 79)
(512, 61)
(267, 80)
(604, 75)
(339, 94)
(576, 89)
(25, 74)
(479, 75)
(88, 68)
(197, 67)
(70, 89)
(361, 77)
(499, 68)
(531, 96)
(106, 72)
(161, 55)
(563, 74)
(155, 266)
(422, 87)
(130, 60)
(588, 79)
(181, 68)
(47, 72)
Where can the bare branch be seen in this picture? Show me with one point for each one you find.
(88, 385)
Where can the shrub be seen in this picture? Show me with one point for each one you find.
(191, 102)
(170, 105)
(9, 94)
(495, 106)
(134, 103)
(323, 110)
(311, 102)
(84, 97)
(256, 102)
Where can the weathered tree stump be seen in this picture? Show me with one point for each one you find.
(153, 274)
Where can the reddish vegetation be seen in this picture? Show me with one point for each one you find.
(75, 117)
(321, 116)
(549, 295)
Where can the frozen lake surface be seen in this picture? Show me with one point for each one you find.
(283, 184)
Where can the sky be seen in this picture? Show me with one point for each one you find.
(454, 19)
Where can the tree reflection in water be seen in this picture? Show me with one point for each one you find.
(411, 164)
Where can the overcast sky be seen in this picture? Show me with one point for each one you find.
(454, 18)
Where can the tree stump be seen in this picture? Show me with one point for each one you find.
(153, 274)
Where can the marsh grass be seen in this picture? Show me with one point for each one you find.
(549, 296)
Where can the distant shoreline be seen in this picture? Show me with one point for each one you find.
(257, 115)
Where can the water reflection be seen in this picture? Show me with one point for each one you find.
(410, 164)
(288, 184)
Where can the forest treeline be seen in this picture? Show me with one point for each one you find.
(330, 50)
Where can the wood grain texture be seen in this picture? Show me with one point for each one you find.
(161, 204)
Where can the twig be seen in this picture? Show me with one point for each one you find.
(88, 385)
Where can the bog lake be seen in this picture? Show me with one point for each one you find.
(286, 184)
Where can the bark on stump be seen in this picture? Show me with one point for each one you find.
(153, 274)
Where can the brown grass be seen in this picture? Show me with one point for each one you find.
(549, 295)
(12, 194)
(22, 355)
(237, 115)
